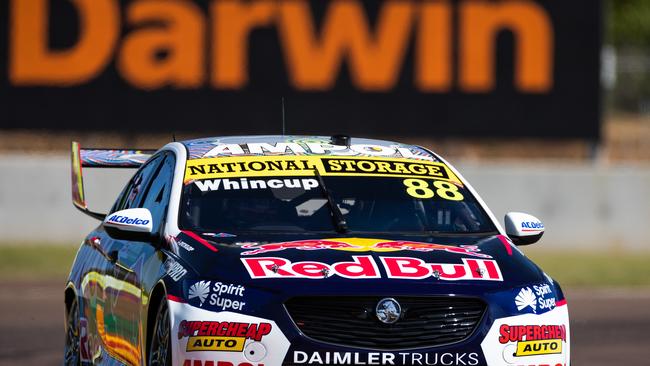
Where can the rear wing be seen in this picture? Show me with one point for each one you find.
(100, 158)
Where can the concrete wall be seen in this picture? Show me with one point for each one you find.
(35, 198)
(582, 206)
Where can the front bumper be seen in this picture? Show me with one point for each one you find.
(207, 338)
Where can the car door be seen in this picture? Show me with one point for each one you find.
(138, 263)
(108, 327)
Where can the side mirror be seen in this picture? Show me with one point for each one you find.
(522, 228)
(132, 224)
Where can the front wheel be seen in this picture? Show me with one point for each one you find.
(160, 353)
(71, 352)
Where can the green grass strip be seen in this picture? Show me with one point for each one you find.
(595, 269)
(36, 262)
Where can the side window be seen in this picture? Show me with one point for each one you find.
(133, 192)
(157, 194)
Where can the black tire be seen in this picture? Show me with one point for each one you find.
(160, 352)
(71, 352)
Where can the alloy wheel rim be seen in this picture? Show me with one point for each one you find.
(160, 345)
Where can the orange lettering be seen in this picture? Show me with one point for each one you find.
(433, 69)
(374, 59)
(181, 37)
(31, 62)
(480, 23)
(233, 22)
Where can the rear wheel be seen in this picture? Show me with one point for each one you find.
(71, 352)
(160, 353)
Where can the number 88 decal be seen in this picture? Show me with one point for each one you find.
(419, 188)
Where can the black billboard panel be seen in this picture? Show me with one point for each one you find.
(438, 68)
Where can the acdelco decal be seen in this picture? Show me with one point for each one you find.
(220, 336)
(361, 245)
(534, 339)
(531, 226)
(365, 267)
(117, 219)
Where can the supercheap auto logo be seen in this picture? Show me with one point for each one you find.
(221, 336)
(533, 340)
(361, 245)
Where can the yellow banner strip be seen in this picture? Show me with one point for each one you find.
(303, 166)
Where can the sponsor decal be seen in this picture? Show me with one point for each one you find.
(361, 245)
(253, 184)
(533, 340)
(314, 148)
(304, 166)
(174, 269)
(365, 267)
(539, 297)
(385, 358)
(525, 298)
(531, 226)
(200, 289)
(529, 339)
(221, 336)
(179, 242)
(224, 303)
(231, 338)
(529, 348)
(218, 363)
(218, 295)
(185, 246)
(125, 220)
(386, 167)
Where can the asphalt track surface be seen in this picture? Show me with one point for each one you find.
(608, 327)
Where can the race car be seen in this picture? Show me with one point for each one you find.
(300, 250)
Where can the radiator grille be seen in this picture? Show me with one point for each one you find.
(351, 321)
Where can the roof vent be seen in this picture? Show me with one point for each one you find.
(341, 140)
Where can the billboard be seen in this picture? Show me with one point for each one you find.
(428, 68)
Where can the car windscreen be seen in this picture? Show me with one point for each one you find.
(248, 194)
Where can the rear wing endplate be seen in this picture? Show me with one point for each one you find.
(100, 158)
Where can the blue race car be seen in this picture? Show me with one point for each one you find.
(294, 250)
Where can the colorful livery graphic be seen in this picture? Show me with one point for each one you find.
(292, 250)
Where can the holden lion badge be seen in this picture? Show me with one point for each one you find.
(388, 310)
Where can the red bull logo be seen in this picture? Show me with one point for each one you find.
(366, 267)
(362, 245)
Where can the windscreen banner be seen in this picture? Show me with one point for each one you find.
(425, 68)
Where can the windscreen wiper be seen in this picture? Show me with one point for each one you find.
(337, 217)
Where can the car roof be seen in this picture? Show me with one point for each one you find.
(300, 145)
